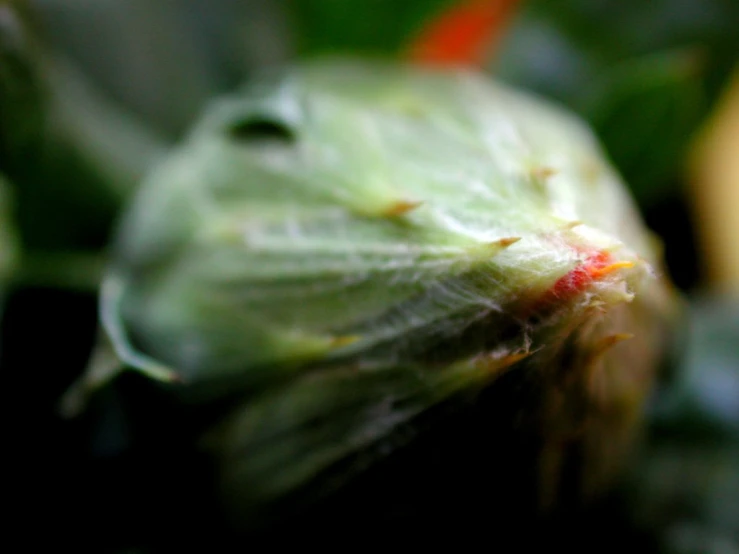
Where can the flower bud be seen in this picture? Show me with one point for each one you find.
(349, 236)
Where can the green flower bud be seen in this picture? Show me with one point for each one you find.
(349, 235)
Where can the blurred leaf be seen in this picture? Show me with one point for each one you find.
(92, 120)
(87, 156)
(140, 52)
(71, 153)
(20, 90)
(108, 138)
(686, 487)
(707, 389)
(164, 60)
(610, 31)
(379, 27)
(564, 48)
(645, 111)
(8, 247)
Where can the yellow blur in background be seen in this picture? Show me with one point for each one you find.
(714, 176)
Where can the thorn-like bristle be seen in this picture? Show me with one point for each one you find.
(400, 208)
(571, 225)
(598, 273)
(493, 365)
(505, 242)
(608, 341)
(543, 173)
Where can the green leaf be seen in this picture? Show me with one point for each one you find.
(666, 61)
(645, 112)
(21, 97)
(375, 27)
(161, 61)
(8, 235)
(71, 153)
(685, 488)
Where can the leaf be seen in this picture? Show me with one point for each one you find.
(21, 98)
(161, 61)
(71, 153)
(374, 27)
(8, 236)
(565, 48)
(645, 111)
(685, 488)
